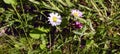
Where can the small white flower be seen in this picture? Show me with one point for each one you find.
(76, 13)
(54, 19)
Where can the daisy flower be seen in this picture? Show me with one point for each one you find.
(54, 19)
(76, 13)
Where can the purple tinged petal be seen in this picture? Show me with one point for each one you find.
(76, 11)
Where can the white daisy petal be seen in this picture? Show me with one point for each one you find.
(51, 14)
(56, 14)
(54, 19)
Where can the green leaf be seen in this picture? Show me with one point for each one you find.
(45, 4)
(42, 36)
(42, 46)
(23, 40)
(46, 30)
(1, 10)
(36, 33)
(16, 46)
(35, 36)
(14, 2)
(82, 20)
(56, 52)
(33, 1)
(77, 33)
(62, 2)
(69, 3)
(55, 7)
(89, 44)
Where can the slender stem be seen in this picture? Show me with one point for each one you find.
(96, 7)
(50, 42)
(22, 24)
(22, 6)
(16, 12)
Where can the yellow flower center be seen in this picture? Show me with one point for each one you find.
(54, 19)
(75, 14)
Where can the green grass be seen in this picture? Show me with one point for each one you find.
(27, 29)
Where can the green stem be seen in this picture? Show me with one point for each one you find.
(50, 42)
(16, 12)
(22, 24)
(22, 6)
(94, 5)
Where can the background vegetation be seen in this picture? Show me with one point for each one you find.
(25, 28)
